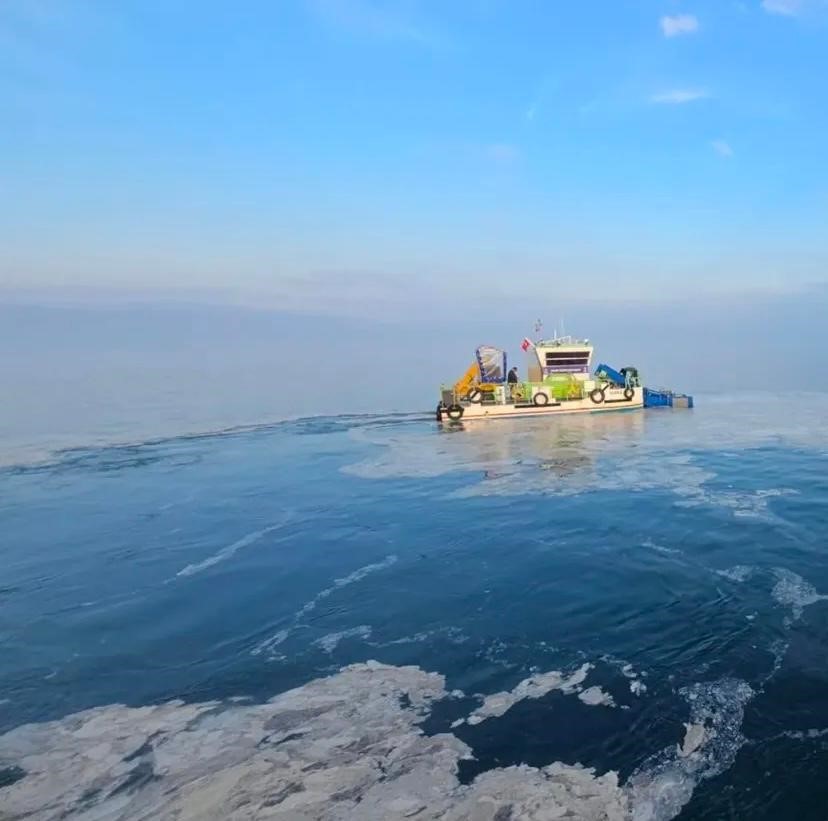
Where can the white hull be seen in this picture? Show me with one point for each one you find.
(614, 400)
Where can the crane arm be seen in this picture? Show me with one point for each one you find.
(472, 375)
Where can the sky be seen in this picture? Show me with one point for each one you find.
(358, 157)
(219, 213)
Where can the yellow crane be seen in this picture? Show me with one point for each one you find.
(487, 361)
(463, 385)
(471, 379)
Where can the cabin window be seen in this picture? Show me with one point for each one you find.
(567, 358)
(566, 361)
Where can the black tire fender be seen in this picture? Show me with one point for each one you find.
(629, 394)
(455, 412)
(475, 396)
(540, 399)
(597, 395)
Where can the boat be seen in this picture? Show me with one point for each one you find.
(560, 380)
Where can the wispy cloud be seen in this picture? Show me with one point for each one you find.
(678, 96)
(722, 148)
(387, 21)
(787, 8)
(681, 24)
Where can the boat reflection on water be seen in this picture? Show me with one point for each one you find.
(562, 446)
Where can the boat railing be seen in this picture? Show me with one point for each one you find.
(512, 393)
(500, 394)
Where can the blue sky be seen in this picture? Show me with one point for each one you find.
(347, 156)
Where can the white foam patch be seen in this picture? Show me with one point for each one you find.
(596, 697)
(739, 573)
(634, 473)
(228, 552)
(534, 687)
(779, 649)
(269, 645)
(664, 783)
(804, 735)
(453, 635)
(498, 652)
(314, 752)
(792, 591)
(659, 548)
(330, 642)
(347, 747)
(789, 590)
(571, 455)
(352, 578)
(743, 504)
(637, 687)
(361, 573)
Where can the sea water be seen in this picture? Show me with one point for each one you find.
(639, 593)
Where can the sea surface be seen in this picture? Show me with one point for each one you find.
(674, 562)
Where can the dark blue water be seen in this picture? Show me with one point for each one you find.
(689, 547)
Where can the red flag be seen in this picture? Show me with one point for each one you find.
(526, 344)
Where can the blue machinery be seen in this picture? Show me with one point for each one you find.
(612, 375)
(666, 399)
(652, 398)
